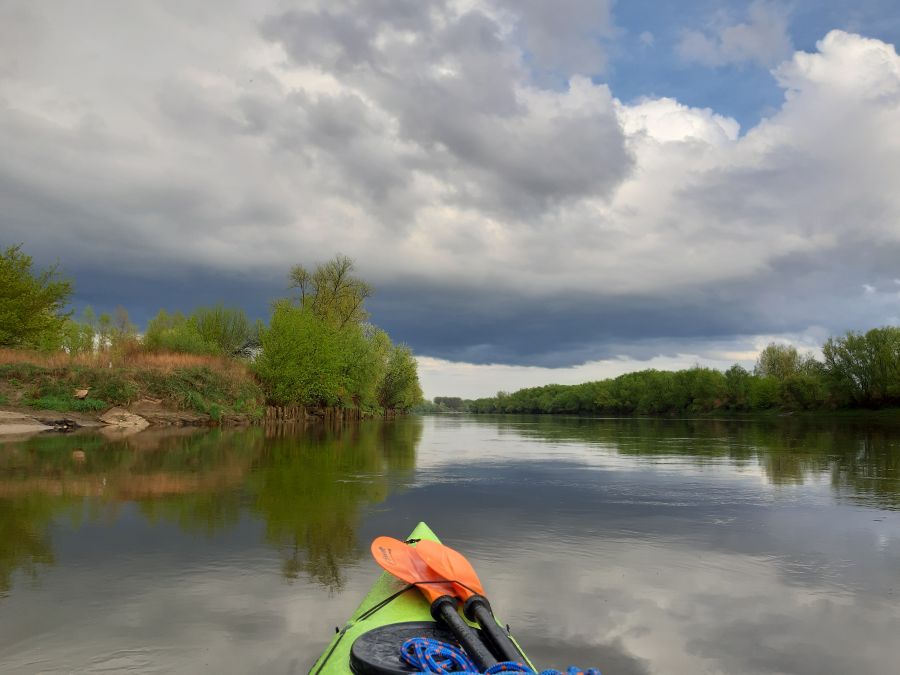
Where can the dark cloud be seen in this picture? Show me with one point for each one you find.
(792, 294)
(174, 289)
(506, 208)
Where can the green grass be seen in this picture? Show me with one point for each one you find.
(20, 371)
(202, 389)
(4, 400)
(67, 404)
(56, 385)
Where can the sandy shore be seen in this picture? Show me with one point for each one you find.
(17, 421)
(14, 424)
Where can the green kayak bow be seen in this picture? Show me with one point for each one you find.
(369, 643)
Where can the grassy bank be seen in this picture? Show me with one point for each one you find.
(209, 385)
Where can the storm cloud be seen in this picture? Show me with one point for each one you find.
(507, 206)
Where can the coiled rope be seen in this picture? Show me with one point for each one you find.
(433, 656)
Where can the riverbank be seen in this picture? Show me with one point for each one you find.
(868, 415)
(160, 389)
(55, 392)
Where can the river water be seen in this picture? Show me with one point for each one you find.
(636, 546)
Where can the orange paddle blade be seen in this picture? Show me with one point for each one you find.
(451, 565)
(404, 562)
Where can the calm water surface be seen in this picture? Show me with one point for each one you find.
(637, 546)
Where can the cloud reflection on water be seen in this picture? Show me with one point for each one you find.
(642, 547)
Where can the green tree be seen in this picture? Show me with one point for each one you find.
(365, 351)
(300, 360)
(704, 389)
(454, 403)
(228, 329)
(78, 336)
(802, 391)
(400, 390)
(31, 303)
(332, 292)
(764, 393)
(782, 361)
(737, 387)
(865, 367)
(105, 330)
(176, 333)
(319, 350)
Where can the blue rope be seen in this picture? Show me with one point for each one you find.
(436, 657)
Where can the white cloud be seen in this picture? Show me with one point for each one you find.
(762, 39)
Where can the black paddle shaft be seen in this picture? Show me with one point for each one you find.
(478, 609)
(444, 609)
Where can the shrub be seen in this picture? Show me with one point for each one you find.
(300, 362)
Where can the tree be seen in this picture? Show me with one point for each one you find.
(332, 292)
(300, 360)
(78, 336)
(737, 387)
(865, 367)
(365, 351)
(782, 361)
(104, 331)
(400, 390)
(116, 333)
(176, 333)
(31, 303)
(454, 403)
(228, 329)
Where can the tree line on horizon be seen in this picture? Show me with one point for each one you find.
(318, 348)
(858, 370)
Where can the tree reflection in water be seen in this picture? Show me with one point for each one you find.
(309, 490)
(308, 485)
(312, 486)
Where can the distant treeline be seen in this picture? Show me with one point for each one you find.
(859, 370)
(318, 348)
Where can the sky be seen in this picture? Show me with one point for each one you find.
(539, 192)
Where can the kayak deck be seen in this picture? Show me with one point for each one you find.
(386, 603)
